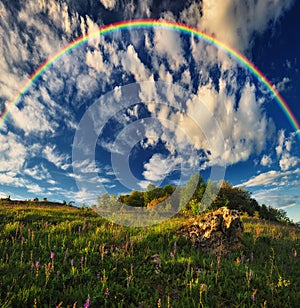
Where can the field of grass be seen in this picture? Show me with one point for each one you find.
(68, 257)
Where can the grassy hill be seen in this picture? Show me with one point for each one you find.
(69, 257)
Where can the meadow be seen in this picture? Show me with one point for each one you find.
(69, 257)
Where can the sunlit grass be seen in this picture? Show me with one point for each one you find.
(72, 257)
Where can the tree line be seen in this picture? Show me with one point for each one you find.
(195, 197)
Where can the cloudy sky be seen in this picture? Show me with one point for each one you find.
(151, 105)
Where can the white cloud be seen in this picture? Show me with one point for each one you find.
(272, 177)
(233, 21)
(287, 161)
(279, 147)
(283, 85)
(108, 4)
(38, 172)
(280, 198)
(13, 153)
(168, 44)
(33, 118)
(132, 64)
(59, 160)
(159, 167)
(34, 188)
(266, 160)
(86, 166)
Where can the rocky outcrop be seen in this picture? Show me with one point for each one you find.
(218, 232)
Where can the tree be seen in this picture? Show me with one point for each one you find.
(236, 198)
(135, 198)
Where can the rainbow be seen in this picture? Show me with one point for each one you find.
(152, 23)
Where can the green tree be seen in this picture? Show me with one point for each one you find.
(135, 198)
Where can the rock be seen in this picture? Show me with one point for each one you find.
(218, 232)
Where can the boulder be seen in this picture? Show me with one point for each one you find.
(217, 232)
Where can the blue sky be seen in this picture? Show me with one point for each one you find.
(149, 106)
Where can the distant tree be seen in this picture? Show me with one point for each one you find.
(135, 198)
(64, 202)
(106, 201)
(45, 199)
(71, 203)
(8, 198)
(36, 199)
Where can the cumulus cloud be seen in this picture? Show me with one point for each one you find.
(159, 167)
(235, 22)
(108, 4)
(287, 161)
(132, 64)
(266, 160)
(168, 44)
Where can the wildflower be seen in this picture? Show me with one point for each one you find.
(37, 264)
(107, 292)
(171, 254)
(52, 254)
(242, 258)
(247, 261)
(252, 256)
(203, 287)
(253, 295)
(250, 274)
(79, 229)
(283, 282)
(87, 303)
(82, 260)
(175, 246)
(72, 262)
(98, 275)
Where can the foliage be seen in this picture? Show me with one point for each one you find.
(63, 256)
(144, 198)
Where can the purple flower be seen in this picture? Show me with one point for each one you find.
(82, 260)
(171, 254)
(72, 262)
(37, 264)
(52, 255)
(247, 261)
(98, 276)
(250, 274)
(79, 229)
(175, 246)
(253, 297)
(87, 303)
(252, 256)
(242, 258)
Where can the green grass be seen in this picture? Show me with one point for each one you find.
(108, 264)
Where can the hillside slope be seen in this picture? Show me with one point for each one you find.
(69, 257)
